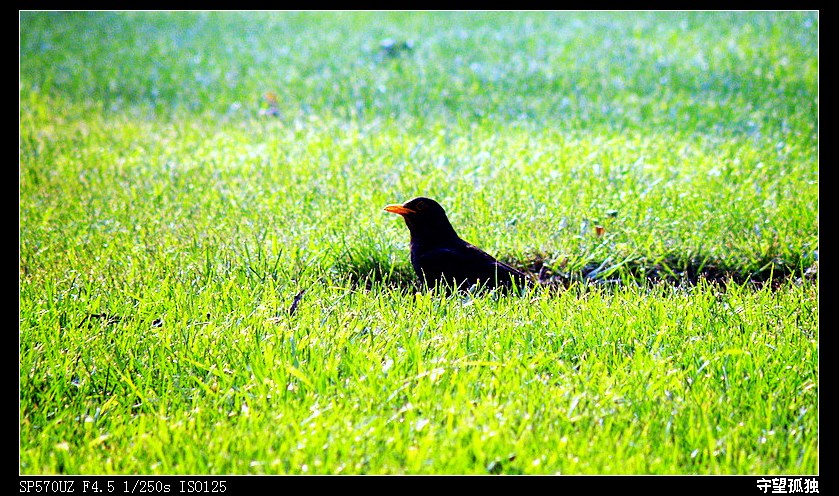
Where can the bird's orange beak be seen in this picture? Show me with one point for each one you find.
(398, 209)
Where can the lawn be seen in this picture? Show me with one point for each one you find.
(208, 283)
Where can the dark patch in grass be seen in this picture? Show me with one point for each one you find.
(110, 319)
(296, 302)
(104, 318)
(390, 48)
(673, 270)
(368, 271)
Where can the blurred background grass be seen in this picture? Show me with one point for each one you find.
(720, 72)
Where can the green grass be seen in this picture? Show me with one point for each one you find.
(167, 225)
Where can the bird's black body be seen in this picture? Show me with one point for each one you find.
(438, 253)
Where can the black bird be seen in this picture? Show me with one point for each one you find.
(438, 253)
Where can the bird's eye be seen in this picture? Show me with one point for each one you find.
(420, 205)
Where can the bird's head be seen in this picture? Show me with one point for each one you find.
(425, 218)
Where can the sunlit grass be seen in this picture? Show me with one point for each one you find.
(168, 223)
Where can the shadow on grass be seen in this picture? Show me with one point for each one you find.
(370, 271)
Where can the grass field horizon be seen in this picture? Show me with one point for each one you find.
(209, 284)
